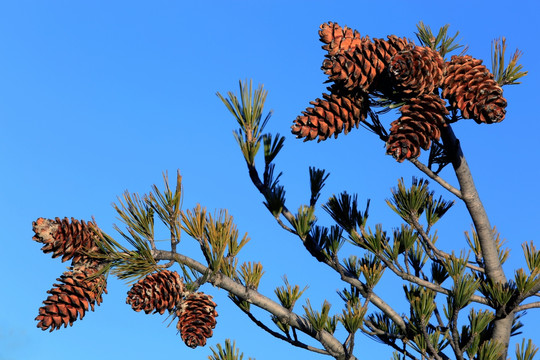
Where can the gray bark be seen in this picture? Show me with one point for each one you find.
(492, 265)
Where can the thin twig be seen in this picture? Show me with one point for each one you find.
(427, 284)
(436, 177)
(428, 340)
(439, 253)
(455, 335)
(377, 301)
(282, 337)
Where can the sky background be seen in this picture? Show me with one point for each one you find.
(104, 96)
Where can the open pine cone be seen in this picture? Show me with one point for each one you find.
(196, 319)
(156, 292)
(470, 87)
(420, 122)
(330, 116)
(64, 238)
(78, 290)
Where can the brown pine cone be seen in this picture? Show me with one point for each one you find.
(416, 71)
(156, 292)
(337, 39)
(79, 290)
(470, 87)
(386, 49)
(196, 319)
(330, 116)
(62, 238)
(355, 70)
(420, 122)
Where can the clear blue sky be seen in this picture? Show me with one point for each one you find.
(97, 97)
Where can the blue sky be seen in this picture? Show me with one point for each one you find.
(99, 97)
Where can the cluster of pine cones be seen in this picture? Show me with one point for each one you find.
(81, 288)
(164, 291)
(398, 70)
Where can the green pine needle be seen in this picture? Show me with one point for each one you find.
(442, 42)
(410, 203)
(167, 204)
(272, 146)
(509, 74)
(227, 352)
(344, 210)
(304, 220)
(288, 295)
(320, 320)
(248, 112)
(317, 178)
(527, 351)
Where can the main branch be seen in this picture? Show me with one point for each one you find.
(493, 267)
(330, 343)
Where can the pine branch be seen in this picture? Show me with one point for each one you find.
(492, 264)
(329, 342)
(368, 293)
(475, 207)
(293, 342)
(430, 347)
(533, 305)
(439, 253)
(436, 177)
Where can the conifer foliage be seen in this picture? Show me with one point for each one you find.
(461, 304)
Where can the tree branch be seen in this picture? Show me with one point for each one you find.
(377, 301)
(427, 284)
(439, 253)
(492, 264)
(532, 305)
(329, 342)
(436, 177)
(293, 342)
(475, 207)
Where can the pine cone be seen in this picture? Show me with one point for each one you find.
(70, 299)
(62, 238)
(386, 49)
(156, 292)
(355, 70)
(330, 116)
(470, 87)
(420, 122)
(337, 39)
(416, 71)
(196, 319)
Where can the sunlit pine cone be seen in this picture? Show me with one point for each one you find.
(338, 39)
(329, 116)
(420, 122)
(156, 292)
(355, 70)
(470, 87)
(196, 319)
(64, 238)
(386, 49)
(78, 290)
(416, 71)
